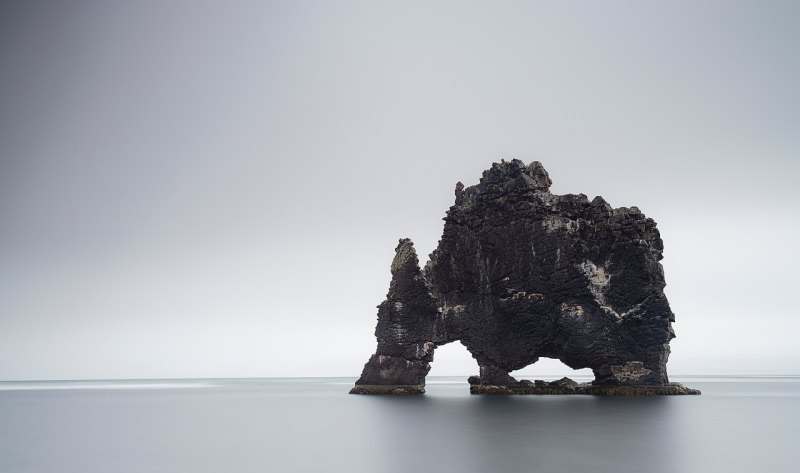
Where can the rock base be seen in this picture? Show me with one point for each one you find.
(672, 389)
(388, 389)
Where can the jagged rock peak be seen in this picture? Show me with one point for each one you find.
(533, 175)
(541, 179)
(407, 282)
(404, 256)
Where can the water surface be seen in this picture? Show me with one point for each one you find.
(740, 424)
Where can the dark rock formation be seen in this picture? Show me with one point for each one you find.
(520, 274)
(408, 324)
(568, 386)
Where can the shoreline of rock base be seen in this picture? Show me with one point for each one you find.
(388, 389)
(672, 389)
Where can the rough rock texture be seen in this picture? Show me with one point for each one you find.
(568, 386)
(521, 273)
(407, 331)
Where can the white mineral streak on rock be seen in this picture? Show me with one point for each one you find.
(398, 332)
(631, 371)
(533, 296)
(572, 310)
(598, 285)
(553, 223)
(424, 349)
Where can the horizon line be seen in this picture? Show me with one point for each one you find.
(356, 377)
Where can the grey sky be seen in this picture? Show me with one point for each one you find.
(194, 189)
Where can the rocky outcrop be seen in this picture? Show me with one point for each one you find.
(521, 273)
(409, 322)
(568, 386)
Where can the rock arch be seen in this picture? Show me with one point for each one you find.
(521, 273)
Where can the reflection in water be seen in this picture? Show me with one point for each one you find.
(550, 433)
(312, 425)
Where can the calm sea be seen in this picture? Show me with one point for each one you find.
(743, 424)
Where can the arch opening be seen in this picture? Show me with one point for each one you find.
(451, 360)
(550, 369)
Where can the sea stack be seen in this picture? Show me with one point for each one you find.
(521, 273)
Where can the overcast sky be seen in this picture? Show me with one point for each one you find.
(203, 189)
